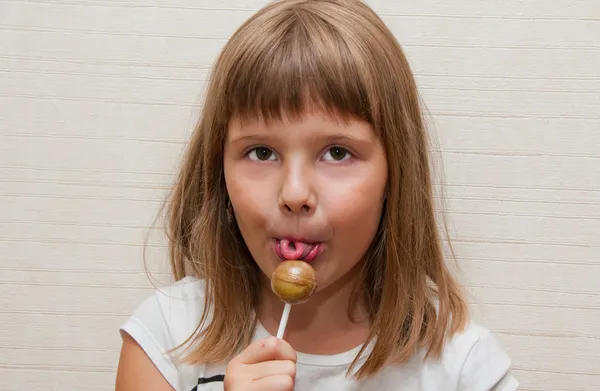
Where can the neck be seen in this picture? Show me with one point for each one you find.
(323, 324)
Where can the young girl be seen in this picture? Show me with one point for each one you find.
(311, 146)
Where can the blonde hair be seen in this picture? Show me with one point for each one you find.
(337, 55)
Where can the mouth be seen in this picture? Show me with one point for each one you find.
(290, 249)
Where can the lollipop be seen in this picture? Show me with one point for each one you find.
(293, 282)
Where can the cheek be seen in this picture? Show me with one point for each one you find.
(355, 196)
(251, 202)
(355, 213)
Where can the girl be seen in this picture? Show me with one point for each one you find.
(311, 146)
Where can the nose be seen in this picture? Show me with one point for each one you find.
(297, 195)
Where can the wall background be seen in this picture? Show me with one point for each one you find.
(98, 96)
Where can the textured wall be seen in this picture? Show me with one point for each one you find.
(97, 97)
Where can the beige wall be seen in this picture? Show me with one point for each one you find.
(97, 97)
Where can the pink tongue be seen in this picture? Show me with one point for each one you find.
(294, 250)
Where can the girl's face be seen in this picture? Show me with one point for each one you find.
(310, 189)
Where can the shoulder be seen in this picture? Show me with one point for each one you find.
(175, 309)
(477, 360)
(185, 296)
(164, 321)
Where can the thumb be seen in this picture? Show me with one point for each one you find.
(266, 349)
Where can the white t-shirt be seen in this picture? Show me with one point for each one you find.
(471, 361)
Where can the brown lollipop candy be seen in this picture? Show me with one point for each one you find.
(293, 282)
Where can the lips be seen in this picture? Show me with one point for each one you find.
(288, 249)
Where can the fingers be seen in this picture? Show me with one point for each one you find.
(274, 383)
(266, 365)
(267, 349)
(273, 368)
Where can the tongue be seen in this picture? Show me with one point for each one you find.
(294, 250)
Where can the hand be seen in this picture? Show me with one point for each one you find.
(268, 364)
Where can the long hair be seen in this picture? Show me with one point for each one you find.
(337, 55)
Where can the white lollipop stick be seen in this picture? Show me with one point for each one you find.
(284, 320)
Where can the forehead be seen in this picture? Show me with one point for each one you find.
(312, 124)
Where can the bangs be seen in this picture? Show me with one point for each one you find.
(297, 63)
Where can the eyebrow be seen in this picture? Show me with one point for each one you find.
(328, 137)
(249, 137)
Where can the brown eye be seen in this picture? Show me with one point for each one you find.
(261, 153)
(337, 154)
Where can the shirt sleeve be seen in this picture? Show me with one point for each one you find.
(148, 327)
(487, 367)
